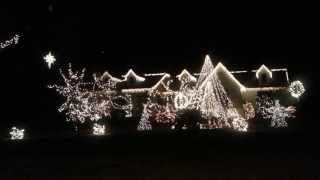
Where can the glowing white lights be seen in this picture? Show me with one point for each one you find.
(12, 41)
(186, 74)
(270, 109)
(181, 101)
(83, 102)
(263, 69)
(249, 111)
(49, 59)
(107, 75)
(95, 100)
(99, 129)
(214, 103)
(132, 74)
(296, 89)
(278, 114)
(16, 133)
(144, 123)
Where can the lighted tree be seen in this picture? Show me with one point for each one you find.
(215, 104)
(144, 123)
(207, 68)
(83, 101)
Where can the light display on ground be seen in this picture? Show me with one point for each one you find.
(16, 134)
(99, 129)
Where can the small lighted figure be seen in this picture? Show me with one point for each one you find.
(49, 59)
(16, 133)
(99, 129)
(296, 89)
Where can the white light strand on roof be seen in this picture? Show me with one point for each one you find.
(154, 74)
(263, 67)
(238, 72)
(189, 76)
(131, 73)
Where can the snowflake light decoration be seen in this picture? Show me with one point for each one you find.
(99, 129)
(277, 113)
(49, 59)
(296, 89)
(16, 133)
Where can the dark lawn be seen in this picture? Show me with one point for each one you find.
(181, 155)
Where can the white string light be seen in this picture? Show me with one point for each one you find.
(131, 73)
(12, 41)
(265, 69)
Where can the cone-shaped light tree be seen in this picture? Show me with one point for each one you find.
(214, 103)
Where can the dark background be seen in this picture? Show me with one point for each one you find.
(148, 38)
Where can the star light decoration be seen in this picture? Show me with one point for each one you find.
(49, 59)
(99, 129)
(296, 89)
(16, 134)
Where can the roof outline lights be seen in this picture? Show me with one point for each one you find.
(220, 65)
(132, 73)
(166, 75)
(106, 73)
(184, 71)
(263, 67)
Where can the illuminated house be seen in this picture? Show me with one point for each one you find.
(221, 98)
(241, 86)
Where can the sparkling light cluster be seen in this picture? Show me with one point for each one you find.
(49, 59)
(12, 41)
(99, 129)
(16, 133)
(144, 123)
(214, 103)
(278, 114)
(296, 89)
(83, 102)
(249, 111)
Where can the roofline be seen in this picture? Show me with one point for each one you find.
(138, 78)
(184, 71)
(220, 65)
